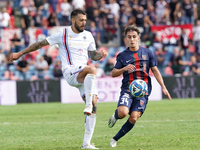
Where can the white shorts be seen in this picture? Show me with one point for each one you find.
(70, 75)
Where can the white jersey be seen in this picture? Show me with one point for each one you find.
(73, 47)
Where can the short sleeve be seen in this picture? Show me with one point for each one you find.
(55, 38)
(152, 60)
(118, 64)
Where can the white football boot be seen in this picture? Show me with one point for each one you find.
(112, 121)
(88, 109)
(89, 146)
(113, 143)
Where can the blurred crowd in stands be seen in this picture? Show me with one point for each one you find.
(106, 21)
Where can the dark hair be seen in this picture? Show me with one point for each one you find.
(131, 28)
(75, 12)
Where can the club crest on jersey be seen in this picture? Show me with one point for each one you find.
(70, 37)
(84, 37)
(80, 51)
(141, 102)
(144, 57)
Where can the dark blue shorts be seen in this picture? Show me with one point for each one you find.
(133, 103)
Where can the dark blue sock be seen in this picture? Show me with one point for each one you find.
(125, 129)
(116, 114)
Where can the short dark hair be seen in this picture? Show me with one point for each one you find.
(75, 12)
(131, 28)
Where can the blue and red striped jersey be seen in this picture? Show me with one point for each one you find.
(143, 59)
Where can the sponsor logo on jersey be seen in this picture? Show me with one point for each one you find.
(141, 102)
(144, 57)
(128, 61)
(80, 51)
(140, 108)
(78, 44)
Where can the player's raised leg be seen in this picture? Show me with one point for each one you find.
(88, 77)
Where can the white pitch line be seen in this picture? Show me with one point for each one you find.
(34, 122)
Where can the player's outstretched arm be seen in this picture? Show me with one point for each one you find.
(159, 78)
(95, 55)
(117, 72)
(30, 48)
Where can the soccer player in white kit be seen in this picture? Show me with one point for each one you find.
(74, 45)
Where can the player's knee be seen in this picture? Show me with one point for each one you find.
(122, 113)
(91, 70)
(133, 120)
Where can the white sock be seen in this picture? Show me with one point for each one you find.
(90, 122)
(89, 84)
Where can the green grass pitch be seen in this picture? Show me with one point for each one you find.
(165, 125)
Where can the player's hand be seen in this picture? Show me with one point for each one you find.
(15, 56)
(104, 53)
(130, 68)
(165, 91)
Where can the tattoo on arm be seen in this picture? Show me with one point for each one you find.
(35, 46)
(95, 55)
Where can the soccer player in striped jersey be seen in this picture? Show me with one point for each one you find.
(74, 45)
(134, 63)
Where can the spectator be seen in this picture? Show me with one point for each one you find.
(2, 57)
(139, 17)
(173, 16)
(26, 38)
(38, 19)
(26, 6)
(9, 8)
(65, 12)
(194, 9)
(197, 50)
(57, 71)
(184, 44)
(165, 17)
(97, 19)
(79, 4)
(178, 13)
(152, 15)
(38, 4)
(4, 18)
(45, 9)
(115, 9)
(41, 65)
(47, 57)
(53, 20)
(26, 20)
(103, 9)
(109, 66)
(194, 68)
(30, 58)
(160, 56)
(188, 16)
(135, 5)
(126, 15)
(144, 4)
(23, 67)
(160, 8)
(90, 10)
(110, 25)
(15, 43)
(95, 32)
(178, 63)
